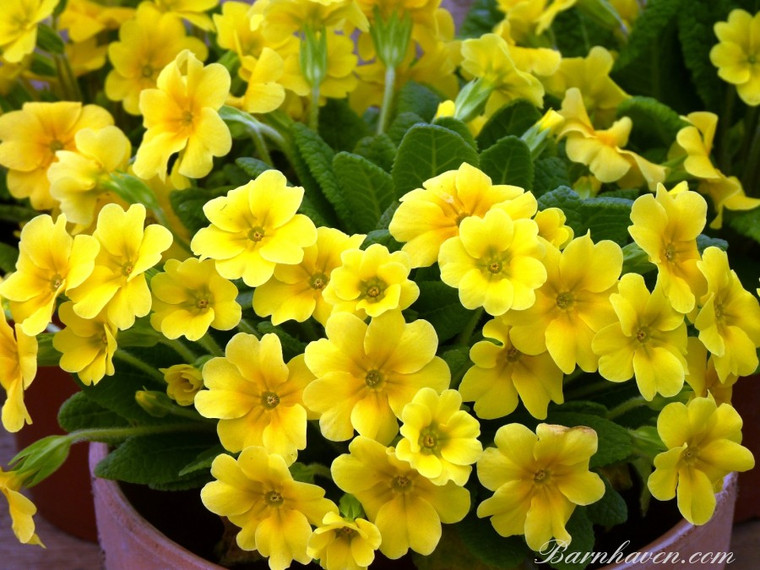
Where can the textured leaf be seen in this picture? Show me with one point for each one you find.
(188, 205)
(746, 223)
(488, 546)
(427, 151)
(607, 218)
(401, 125)
(16, 213)
(610, 510)
(458, 127)
(615, 443)
(576, 34)
(439, 304)
(379, 149)
(508, 162)
(340, 126)
(416, 98)
(368, 189)
(253, 167)
(570, 203)
(654, 123)
(514, 118)
(291, 346)
(80, 411)
(481, 19)
(548, 174)
(647, 30)
(581, 530)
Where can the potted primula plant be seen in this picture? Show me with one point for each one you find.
(366, 287)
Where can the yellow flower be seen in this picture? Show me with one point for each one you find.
(529, 17)
(406, 507)
(737, 54)
(430, 215)
(117, 283)
(253, 228)
(438, 439)
(184, 382)
(696, 141)
(702, 376)
(50, 263)
(591, 76)
(147, 43)
(726, 192)
(371, 282)
(18, 367)
(552, 227)
(573, 304)
(21, 509)
(85, 19)
(448, 109)
(257, 493)
(282, 18)
(256, 396)
(495, 262)
(295, 291)
(30, 138)
(648, 341)
(502, 371)
(703, 441)
(85, 56)
(602, 150)
(366, 374)
(536, 60)
(87, 345)
(666, 228)
(181, 117)
(18, 26)
(189, 297)
(76, 179)
(194, 11)
(729, 318)
(538, 479)
(263, 94)
(344, 544)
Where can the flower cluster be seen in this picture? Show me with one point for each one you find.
(359, 278)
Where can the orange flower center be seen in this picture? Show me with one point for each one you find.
(270, 400)
(318, 281)
(541, 476)
(374, 378)
(256, 234)
(274, 498)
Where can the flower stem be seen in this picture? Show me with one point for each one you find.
(385, 110)
(247, 327)
(121, 433)
(135, 362)
(179, 347)
(582, 391)
(314, 109)
(625, 407)
(466, 334)
(261, 146)
(208, 342)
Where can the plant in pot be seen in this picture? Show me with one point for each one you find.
(368, 290)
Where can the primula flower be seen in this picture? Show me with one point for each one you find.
(127, 250)
(18, 26)
(181, 117)
(553, 228)
(18, 367)
(31, 137)
(76, 179)
(430, 215)
(666, 228)
(371, 282)
(737, 54)
(20, 508)
(295, 291)
(256, 396)
(704, 445)
(494, 262)
(257, 493)
(696, 140)
(702, 376)
(536, 60)
(189, 297)
(648, 341)
(253, 228)
(572, 305)
(502, 372)
(263, 94)
(344, 544)
(147, 43)
(85, 19)
(184, 382)
(87, 346)
(366, 374)
(406, 507)
(726, 193)
(438, 439)
(538, 479)
(50, 263)
(729, 318)
(602, 150)
(194, 11)
(285, 17)
(530, 17)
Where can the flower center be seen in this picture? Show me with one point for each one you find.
(104, 339)
(374, 378)
(373, 290)
(256, 234)
(513, 355)
(429, 441)
(55, 145)
(127, 268)
(690, 455)
(565, 300)
(752, 60)
(187, 118)
(541, 476)
(147, 71)
(318, 281)
(56, 282)
(274, 499)
(670, 252)
(461, 217)
(606, 138)
(401, 484)
(642, 335)
(270, 400)
(202, 303)
(345, 532)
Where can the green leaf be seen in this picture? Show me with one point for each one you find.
(485, 544)
(548, 174)
(340, 126)
(606, 218)
(576, 33)
(514, 118)
(203, 460)
(156, 460)
(703, 242)
(401, 125)
(48, 39)
(577, 555)
(746, 223)
(383, 237)
(368, 189)
(439, 304)
(378, 149)
(188, 205)
(253, 167)
(416, 98)
(610, 510)
(291, 346)
(647, 31)
(615, 443)
(318, 157)
(654, 123)
(427, 151)
(458, 359)
(16, 213)
(82, 412)
(508, 162)
(565, 198)
(481, 19)
(8, 257)
(458, 127)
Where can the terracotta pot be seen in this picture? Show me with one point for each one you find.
(64, 498)
(746, 400)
